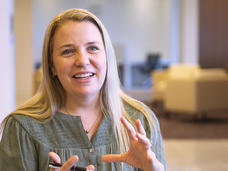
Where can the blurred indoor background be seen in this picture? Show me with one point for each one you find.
(172, 55)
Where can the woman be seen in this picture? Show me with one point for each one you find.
(75, 117)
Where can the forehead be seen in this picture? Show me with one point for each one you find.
(78, 28)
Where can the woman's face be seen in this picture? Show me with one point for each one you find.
(79, 58)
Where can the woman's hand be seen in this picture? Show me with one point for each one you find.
(139, 154)
(68, 164)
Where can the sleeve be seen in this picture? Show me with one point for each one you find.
(17, 149)
(157, 142)
(154, 134)
(156, 138)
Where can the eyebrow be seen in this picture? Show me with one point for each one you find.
(66, 45)
(94, 42)
(88, 43)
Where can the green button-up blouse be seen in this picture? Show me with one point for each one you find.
(26, 142)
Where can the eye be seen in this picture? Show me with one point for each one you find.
(67, 52)
(93, 48)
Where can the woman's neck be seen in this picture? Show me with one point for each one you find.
(88, 109)
(81, 106)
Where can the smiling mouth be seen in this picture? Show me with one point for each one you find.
(83, 76)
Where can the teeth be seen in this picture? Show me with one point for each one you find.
(83, 75)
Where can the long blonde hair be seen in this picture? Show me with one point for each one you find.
(51, 96)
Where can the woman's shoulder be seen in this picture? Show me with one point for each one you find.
(20, 121)
(17, 118)
(137, 108)
(21, 118)
(28, 126)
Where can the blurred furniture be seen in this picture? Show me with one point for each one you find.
(152, 62)
(159, 79)
(192, 90)
(141, 71)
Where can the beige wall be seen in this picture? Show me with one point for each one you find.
(7, 98)
(23, 50)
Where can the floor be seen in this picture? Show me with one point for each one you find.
(196, 155)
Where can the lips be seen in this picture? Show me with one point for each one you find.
(83, 75)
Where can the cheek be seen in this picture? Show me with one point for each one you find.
(60, 68)
(100, 63)
(104, 66)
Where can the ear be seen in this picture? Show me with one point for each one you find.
(53, 71)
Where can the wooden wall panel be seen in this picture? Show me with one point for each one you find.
(213, 33)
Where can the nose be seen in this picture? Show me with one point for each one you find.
(82, 59)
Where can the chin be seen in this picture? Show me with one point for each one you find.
(88, 92)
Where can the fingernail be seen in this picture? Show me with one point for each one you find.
(75, 157)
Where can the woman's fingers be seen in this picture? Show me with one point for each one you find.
(113, 158)
(90, 167)
(69, 163)
(130, 129)
(140, 128)
(143, 140)
(55, 158)
(140, 136)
